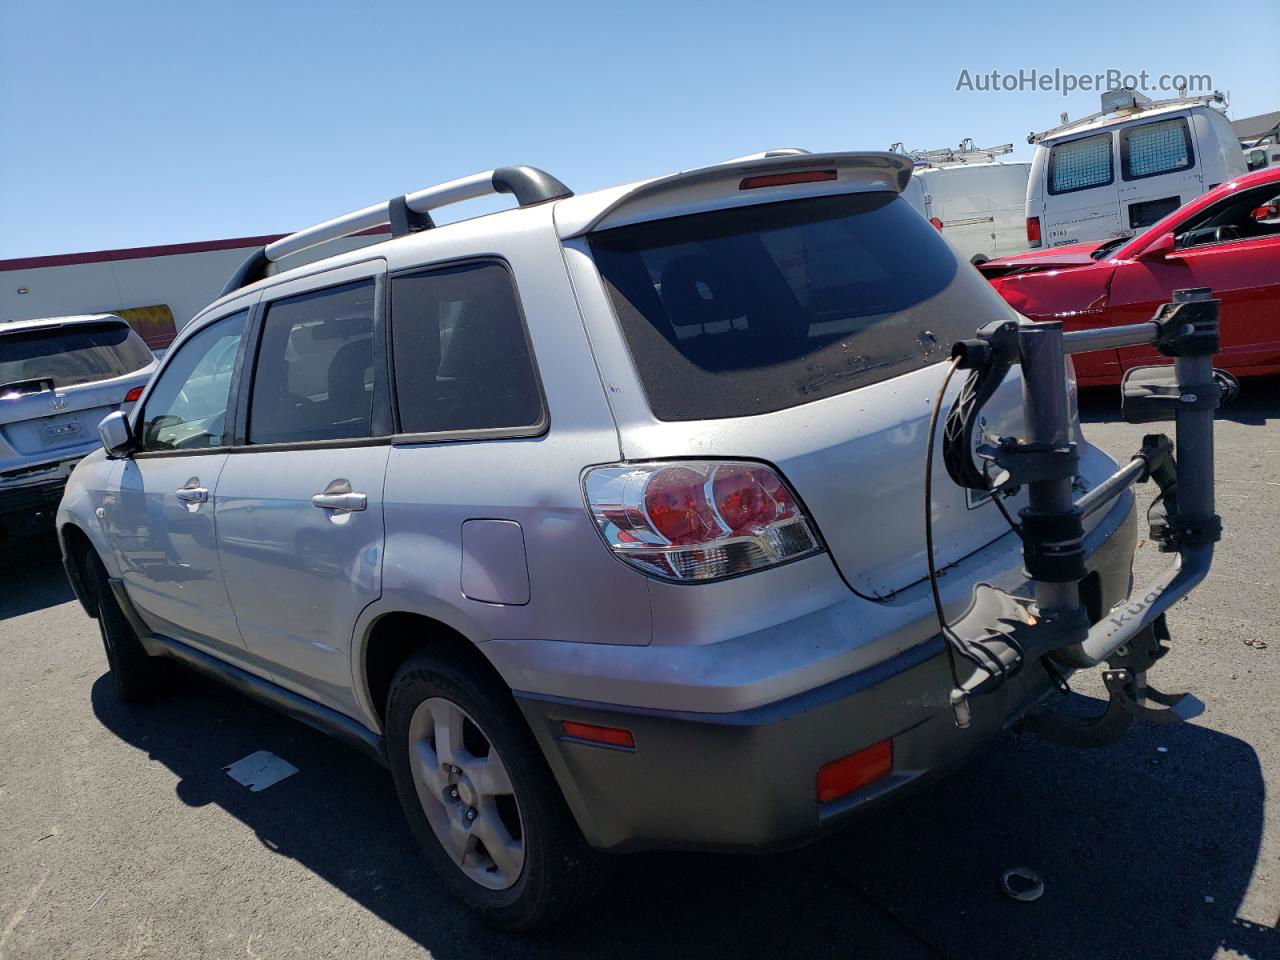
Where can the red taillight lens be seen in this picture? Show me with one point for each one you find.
(842, 777)
(676, 501)
(782, 179)
(749, 499)
(1033, 231)
(593, 733)
(698, 519)
(133, 395)
(937, 224)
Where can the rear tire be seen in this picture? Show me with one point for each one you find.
(134, 673)
(445, 727)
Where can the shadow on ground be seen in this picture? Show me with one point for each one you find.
(1130, 841)
(32, 576)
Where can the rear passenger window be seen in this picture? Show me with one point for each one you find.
(1081, 164)
(314, 375)
(462, 357)
(1151, 149)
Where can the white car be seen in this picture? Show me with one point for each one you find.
(58, 378)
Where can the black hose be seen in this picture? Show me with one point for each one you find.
(954, 643)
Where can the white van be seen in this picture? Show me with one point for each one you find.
(1265, 153)
(1118, 171)
(979, 207)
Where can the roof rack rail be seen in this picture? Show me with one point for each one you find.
(409, 213)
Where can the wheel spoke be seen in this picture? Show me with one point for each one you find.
(456, 840)
(447, 718)
(426, 766)
(507, 854)
(488, 775)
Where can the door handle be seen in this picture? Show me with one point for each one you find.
(340, 501)
(193, 494)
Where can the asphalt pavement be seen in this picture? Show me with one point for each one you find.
(121, 836)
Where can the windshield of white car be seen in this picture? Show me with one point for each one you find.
(71, 354)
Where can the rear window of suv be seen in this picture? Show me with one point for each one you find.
(755, 309)
(72, 354)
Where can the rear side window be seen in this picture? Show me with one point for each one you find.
(749, 310)
(314, 375)
(1081, 164)
(462, 356)
(187, 408)
(1151, 149)
(73, 354)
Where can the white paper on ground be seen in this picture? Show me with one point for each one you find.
(260, 770)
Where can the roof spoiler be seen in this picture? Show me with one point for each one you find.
(891, 171)
(409, 213)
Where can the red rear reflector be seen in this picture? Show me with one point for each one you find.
(781, 179)
(612, 736)
(937, 224)
(841, 777)
(1033, 231)
(133, 395)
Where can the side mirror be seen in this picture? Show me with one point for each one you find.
(1160, 249)
(117, 435)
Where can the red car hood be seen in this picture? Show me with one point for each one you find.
(1075, 255)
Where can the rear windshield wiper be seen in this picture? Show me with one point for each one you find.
(25, 388)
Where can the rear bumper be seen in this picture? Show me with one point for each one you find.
(746, 780)
(29, 509)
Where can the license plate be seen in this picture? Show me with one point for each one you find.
(60, 433)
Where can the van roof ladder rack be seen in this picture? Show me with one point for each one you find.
(966, 152)
(409, 213)
(1124, 103)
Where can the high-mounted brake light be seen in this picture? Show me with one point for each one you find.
(698, 519)
(1033, 231)
(133, 395)
(782, 179)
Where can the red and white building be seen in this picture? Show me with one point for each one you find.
(157, 289)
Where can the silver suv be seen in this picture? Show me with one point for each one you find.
(59, 377)
(598, 520)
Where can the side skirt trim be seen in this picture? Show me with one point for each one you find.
(315, 715)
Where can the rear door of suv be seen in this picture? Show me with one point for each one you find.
(299, 515)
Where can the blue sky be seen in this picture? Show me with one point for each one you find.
(126, 124)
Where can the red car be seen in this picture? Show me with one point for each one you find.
(1228, 240)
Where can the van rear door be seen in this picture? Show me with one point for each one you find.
(1081, 202)
(1159, 170)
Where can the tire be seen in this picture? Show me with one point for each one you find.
(134, 674)
(545, 868)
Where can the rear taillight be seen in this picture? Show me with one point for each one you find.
(937, 224)
(1033, 231)
(698, 519)
(133, 395)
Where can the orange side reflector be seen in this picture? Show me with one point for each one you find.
(133, 395)
(841, 777)
(611, 736)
